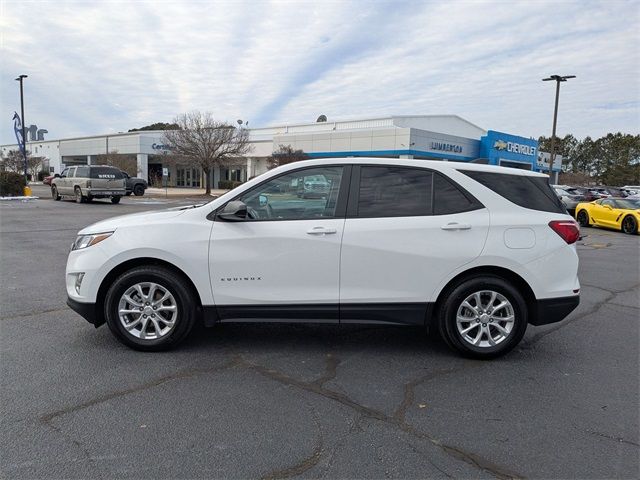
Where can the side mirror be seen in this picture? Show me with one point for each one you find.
(57, 175)
(234, 212)
(263, 200)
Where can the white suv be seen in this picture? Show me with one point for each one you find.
(474, 251)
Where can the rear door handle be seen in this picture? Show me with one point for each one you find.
(321, 231)
(456, 226)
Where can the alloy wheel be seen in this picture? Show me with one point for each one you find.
(485, 319)
(629, 225)
(147, 311)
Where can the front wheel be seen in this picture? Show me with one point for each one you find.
(115, 199)
(150, 308)
(138, 190)
(583, 218)
(54, 193)
(483, 317)
(629, 225)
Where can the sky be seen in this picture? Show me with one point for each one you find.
(99, 67)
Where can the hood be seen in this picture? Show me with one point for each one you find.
(133, 219)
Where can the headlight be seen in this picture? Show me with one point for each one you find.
(84, 241)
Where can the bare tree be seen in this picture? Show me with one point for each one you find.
(285, 154)
(14, 162)
(126, 163)
(205, 142)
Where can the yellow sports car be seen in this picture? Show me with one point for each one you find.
(619, 213)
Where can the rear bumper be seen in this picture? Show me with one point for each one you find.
(88, 311)
(115, 192)
(552, 310)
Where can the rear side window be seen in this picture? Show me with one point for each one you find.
(394, 192)
(534, 193)
(106, 173)
(448, 198)
(82, 172)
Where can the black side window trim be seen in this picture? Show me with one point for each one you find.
(341, 204)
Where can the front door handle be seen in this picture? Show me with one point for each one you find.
(321, 231)
(456, 226)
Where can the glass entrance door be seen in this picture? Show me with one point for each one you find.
(187, 177)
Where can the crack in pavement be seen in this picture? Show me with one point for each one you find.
(33, 314)
(396, 420)
(611, 437)
(307, 463)
(597, 306)
(49, 417)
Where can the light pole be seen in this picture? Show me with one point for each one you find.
(24, 137)
(558, 79)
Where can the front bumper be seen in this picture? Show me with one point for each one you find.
(552, 310)
(89, 311)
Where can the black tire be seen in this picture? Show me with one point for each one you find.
(78, 195)
(138, 190)
(115, 199)
(88, 199)
(54, 193)
(452, 301)
(169, 280)
(629, 225)
(583, 218)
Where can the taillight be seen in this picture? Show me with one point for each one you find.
(568, 230)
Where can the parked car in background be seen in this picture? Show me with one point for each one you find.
(617, 213)
(587, 195)
(473, 251)
(87, 182)
(135, 185)
(47, 180)
(606, 192)
(568, 199)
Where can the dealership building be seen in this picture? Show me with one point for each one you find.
(423, 137)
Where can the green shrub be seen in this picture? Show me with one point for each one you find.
(228, 184)
(11, 184)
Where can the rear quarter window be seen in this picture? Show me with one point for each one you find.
(533, 193)
(106, 173)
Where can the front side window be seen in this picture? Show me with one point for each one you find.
(609, 203)
(306, 194)
(394, 192)
(64, 173)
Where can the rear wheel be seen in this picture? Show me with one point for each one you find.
(138, 190)
(483, 317)
(629, 225)
(78, 194)
(583, 218)
(54, 193)
(150, 308)
(115, 199)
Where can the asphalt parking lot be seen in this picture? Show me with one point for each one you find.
(281, 401)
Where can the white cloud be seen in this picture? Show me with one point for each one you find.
(110, 66)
